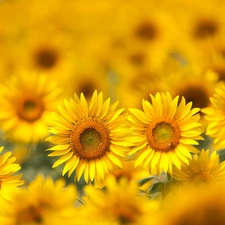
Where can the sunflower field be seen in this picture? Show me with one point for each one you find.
(112, 112)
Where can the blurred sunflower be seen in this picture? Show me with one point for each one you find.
(201, 23)
(164, 133)
(40, 203)
(8, 179)
(204, 167)
(81, 81)
(89, 138)
(131, 90)
(139, 39)
(201, 205)
(215, 115)
(187, 82)
(212, 58)
(26, 105)
(120, 203)
(132, 173)
(49, 53)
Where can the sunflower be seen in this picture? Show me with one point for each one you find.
(164, 133)
(81, 81)
(201, 205)
(215, 115)
(201, 23)
(134, 174)
(140, 38)
(187, 82)
(193, 90)
(89, 138)
(204, 167)
(25, 106)
(41, 203)
(50, 53)
(131, 90)
(7, 178)
(213, 58)
(120, 203)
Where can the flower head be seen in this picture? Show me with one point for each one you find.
(164, 133)
(26, 105)
(204, 167)
(44, 202)
(89, 138)
(120, 203)
(215, 115)
(195, 205)
(8, 179)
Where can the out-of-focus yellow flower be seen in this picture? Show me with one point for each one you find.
(212, 58)
(87, 79)
(90, 138)
(200, 23)
(187, 82)
(119, 203)
(132, 89)
(46, 50)
(204, 167)
(195, 205)
(26, 102)
(164, 133)
(8, 179)
(44, 202)
(140, 38)
(215, 115)
(131, 173)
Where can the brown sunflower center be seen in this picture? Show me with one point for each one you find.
(29, 215)
(221, 72)
(87, 87)
(146, 31)
(127, 213)
(137, 58)
(205, 28)
(30, 109)
(90, 139)
(46, 58)
(196, 95)
(163, 134)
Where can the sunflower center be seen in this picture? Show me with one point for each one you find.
(205, 28)
(137, 58)
(127, 214)
(163, 134)
(221, 72)
(146, 31)
(29, 215)
(46, 58)
(30, 109)
(87, 87)
(90, 139)
(196, 95)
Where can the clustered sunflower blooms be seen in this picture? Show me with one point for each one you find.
(112, 114)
